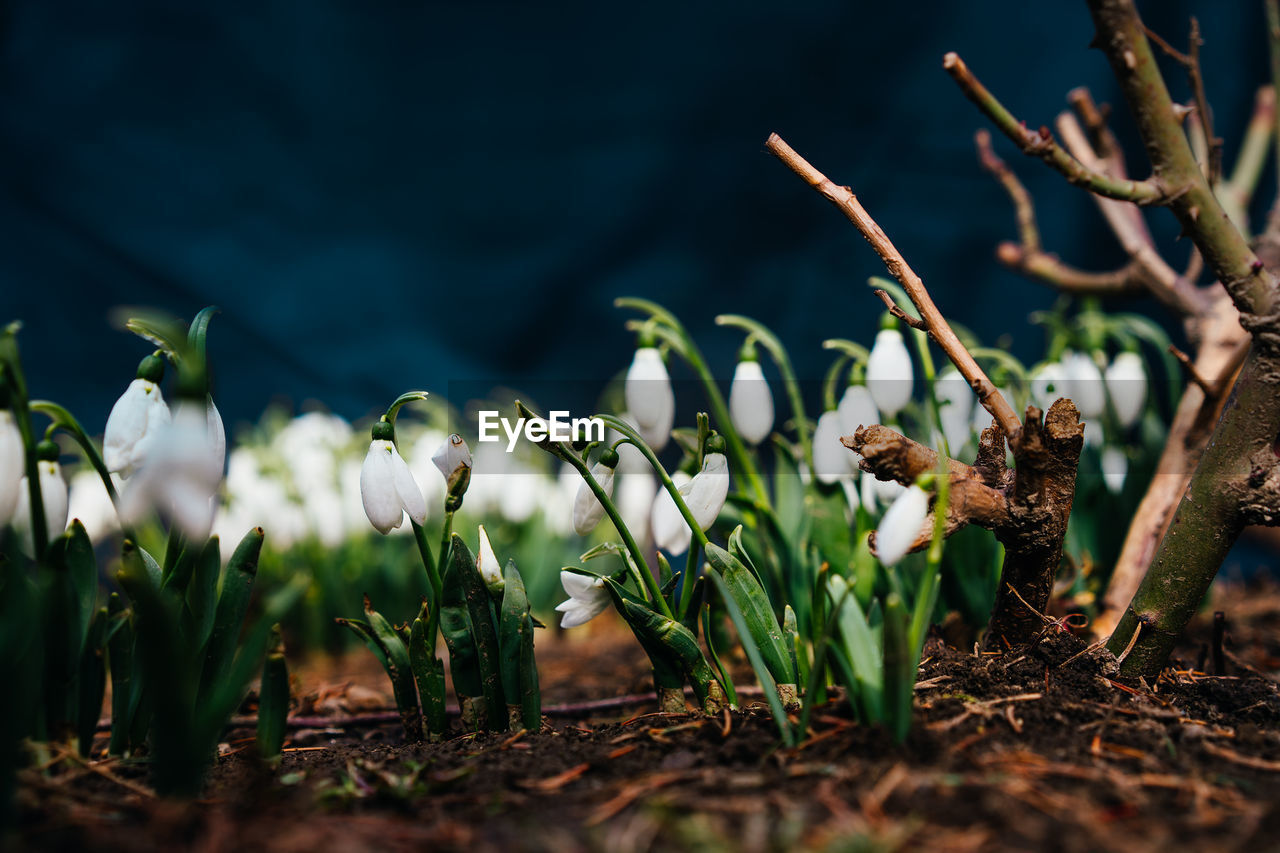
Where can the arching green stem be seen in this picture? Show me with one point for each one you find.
(11, 374)
(64, 420)
(670, 330)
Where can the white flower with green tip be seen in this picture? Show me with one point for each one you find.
(588, 598)
(901, 524)
(649, 397)
(751, 402)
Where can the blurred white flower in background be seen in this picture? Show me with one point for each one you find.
(1127, 387)
(53, 498)
(87, 500)
(1085, 385)
(634, 494)
(181, 472)
(889, 373)
(1115, 467)
(751, 402)
(649, 397)
(12, 464)
(587, 509)
(955, 407)
(1048, 382)
(832, 461)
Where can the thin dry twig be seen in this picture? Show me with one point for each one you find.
(842, 197)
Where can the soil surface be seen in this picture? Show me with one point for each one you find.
(1033, 750)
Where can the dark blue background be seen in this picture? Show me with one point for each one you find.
(383, 195)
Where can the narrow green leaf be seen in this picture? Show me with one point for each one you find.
(273, 700)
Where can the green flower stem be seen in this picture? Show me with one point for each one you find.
(927, 594)
(10, 358)
(406, 397)
(699, 538)
(649, 586)
(780, 359)
(690, 576)
(670, 330)
(64, 420)
(433, 578)
(829, 400)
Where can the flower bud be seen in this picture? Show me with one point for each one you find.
(487, 564)
(454, 461)
(135, 420)
(1127, 386)
(751, 402)
(587, 509)
(53, 498)
(706, 493)
(889, 372)
(832, 461)
(649, 397)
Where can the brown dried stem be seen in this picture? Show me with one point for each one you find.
(935, 324)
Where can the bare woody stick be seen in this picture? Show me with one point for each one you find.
(1040, 143)
(935, 324)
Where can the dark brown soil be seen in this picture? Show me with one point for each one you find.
(1031, 751)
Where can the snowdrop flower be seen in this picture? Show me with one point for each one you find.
(857, 409)
(1048, 383)
(670, 533)
(1127, 386)
(900, 524)
(53, 497)
(1085, 384)
(181, 473)
(889, 372)
(387, 486)
(955, 407)
(832, 461)
(87, 500)
(12, 464)
(886, 491)
(452, 456)
(587, 510)
(649, 397)
(706, 493)
(587, 599)
(136, 418)
(751, 402)
(1115, 465)
(487, 564)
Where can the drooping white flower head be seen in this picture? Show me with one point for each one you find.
(955, 407)
(587, 509)
(387, 486)
(889, 372)
(649, 397)
(12, 464)
(1048, 382)
(1127, 385)
(706, 493)
(901, 524)
(487, 563)
(135, 420)
(1085, 384)
(832, 461)
(1115, 467)
(857, 409)
(587, 599)
(670, 532)
(181, 473)
(53, 497)
(751, 402)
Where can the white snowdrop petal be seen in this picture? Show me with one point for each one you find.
(487, 561)
(1048, 383)
(1085, 384)
(377, 488)
(708, 490)
(670, 532)
(1115, 466)
(857, 409)
(12, 464)
(649, 397)
(751, 402)
(831, 459)
(889, 372)
(587, 510)
(1127, 385)
(217, 435)
(411, 499)
(901, 523)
